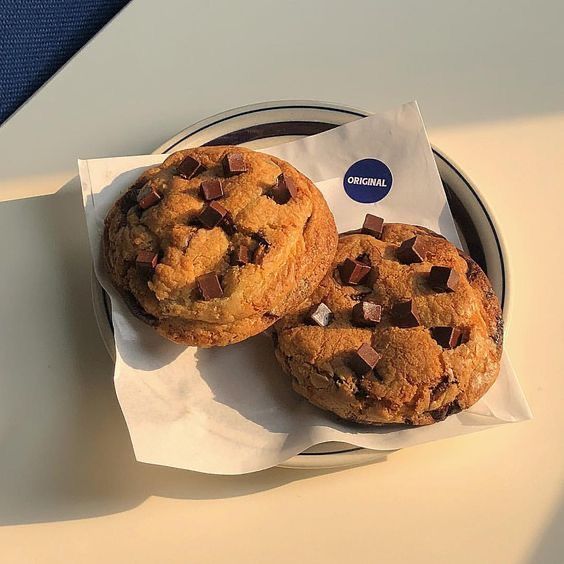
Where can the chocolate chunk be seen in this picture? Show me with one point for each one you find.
(361, 394)
(146, 260)
(260, 239)
(373, 225)
(228, 225)
(189, 168)
(447, 337)
(441, 387)
(353, 271)
(209, 286)
(439, 414)
(377, 376)
(233, 163)
(128, 200)
(262, 248)
(439, 390)
(364, 359)
(212, 215)
(412, 250)
(320, 315)
(443, 279)
(404, 314)
(211, 189)
(148, 197)
(454, 408)
(372, 276)
(260, 253)
(240, 256)
(283, 190)
(443, 412)
(366, 314)
(138, 311)
(136, 210)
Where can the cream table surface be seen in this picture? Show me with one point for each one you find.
(489, 78)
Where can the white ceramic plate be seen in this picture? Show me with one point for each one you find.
(271, 123)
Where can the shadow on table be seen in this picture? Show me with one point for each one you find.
(550, 546)
(66, 452)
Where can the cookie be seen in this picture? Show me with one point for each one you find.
(217, 243)
(405, 328)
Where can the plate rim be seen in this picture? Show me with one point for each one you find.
(254, 108)
(494, 225)
(355, 455)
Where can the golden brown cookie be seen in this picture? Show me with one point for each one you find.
(217, 243)
(404, 328)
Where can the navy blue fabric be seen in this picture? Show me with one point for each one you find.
(38, 36)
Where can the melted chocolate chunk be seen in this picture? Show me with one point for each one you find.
(260, 239)
(138, 311)
(443, 412)
(361, 394)
(440, 388)
(228, 225)
(128, 200)
(360, 293)
(260, 253)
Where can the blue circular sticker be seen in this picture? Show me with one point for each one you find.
(368, 181)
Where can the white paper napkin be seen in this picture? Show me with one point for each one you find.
(231, 410)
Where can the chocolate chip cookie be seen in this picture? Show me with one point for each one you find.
(217, 243)
(405, 328)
